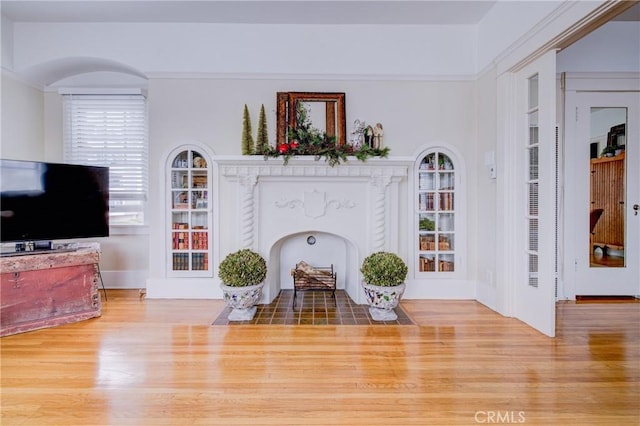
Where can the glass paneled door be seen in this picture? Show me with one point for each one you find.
(603, 193)
(527, 182)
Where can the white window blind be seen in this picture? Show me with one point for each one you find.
(111, 130)
(533, 182)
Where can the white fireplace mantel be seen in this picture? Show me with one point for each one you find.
(355, 201)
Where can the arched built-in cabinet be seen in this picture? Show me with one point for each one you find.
(190, 213)
(438, 240)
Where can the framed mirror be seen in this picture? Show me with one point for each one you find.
(607, 187)
(326, 113)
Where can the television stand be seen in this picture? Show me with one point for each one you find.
(29, 253)
(40, 247)
(49, 288)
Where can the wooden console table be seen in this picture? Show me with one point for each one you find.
(46, 289)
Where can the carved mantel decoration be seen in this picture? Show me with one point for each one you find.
(314, 203)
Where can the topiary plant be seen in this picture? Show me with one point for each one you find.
(384, 269)
(248, 146)
(242, 268)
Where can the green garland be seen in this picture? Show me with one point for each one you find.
(307, 140)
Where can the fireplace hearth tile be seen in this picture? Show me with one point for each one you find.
(314, 308)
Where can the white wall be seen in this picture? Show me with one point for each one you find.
(506, 22)
(22, 134)
(614, 47)
(210, 110)
(54, 144)
(6, 38)
(485, 221)
(124, 261)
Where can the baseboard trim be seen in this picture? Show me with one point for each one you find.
(130, 280)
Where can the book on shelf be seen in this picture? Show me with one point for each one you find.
(427, 242)
(446, 201)
(200, 261)
(445, 266)
(180, 261)
(427, 264)
(200, 240)
(180, 240)
(426, 201)
(198, 181)
(443, 243)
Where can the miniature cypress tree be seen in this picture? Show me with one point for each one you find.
(247, 139)
(262, 140)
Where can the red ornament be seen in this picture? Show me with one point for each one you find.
(294, 144)
(283, 148)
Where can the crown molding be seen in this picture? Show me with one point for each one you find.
(316, 77)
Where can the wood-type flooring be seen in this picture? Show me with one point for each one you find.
(161, 362)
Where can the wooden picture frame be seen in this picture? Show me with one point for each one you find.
(335, 117)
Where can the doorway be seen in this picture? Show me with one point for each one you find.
(602, 193)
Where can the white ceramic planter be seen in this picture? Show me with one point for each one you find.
(242, 300)
(382, 300)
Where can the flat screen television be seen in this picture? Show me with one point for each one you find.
(52, 201)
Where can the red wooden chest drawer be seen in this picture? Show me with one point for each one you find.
(48, 289)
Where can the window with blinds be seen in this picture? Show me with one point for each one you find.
(111, 130)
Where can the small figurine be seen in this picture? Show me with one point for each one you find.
(368, 136)
(357, 135)
(378, 131)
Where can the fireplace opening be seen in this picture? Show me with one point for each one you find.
(313, 248)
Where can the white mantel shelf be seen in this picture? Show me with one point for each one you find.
(308, 166)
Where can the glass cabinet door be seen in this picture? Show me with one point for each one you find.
(436, 213)
(190, 215)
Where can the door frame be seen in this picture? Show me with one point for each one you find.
(576, 84)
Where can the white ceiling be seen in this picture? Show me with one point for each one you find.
(341, 12)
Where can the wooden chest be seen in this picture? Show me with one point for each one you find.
(48, 289)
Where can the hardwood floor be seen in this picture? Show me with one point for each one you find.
(160, 362)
